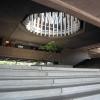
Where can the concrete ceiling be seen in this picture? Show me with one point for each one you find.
(87, 10)
(13, 12)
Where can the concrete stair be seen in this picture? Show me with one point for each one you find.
(47, 82)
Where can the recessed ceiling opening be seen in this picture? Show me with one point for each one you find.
(52, 24)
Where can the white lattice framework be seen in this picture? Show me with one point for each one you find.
(52, 24)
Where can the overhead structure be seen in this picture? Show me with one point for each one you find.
(86, 10)
(53, 24)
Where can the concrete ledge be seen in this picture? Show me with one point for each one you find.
(54, 68)
(73, 73)
(34, 94)
(44, 74)
(38, 82)
(19, 67)
(91, 97)
(47, 82)
(22, 73)
(68, 69)
(45, 77)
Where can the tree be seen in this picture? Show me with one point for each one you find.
(51, 47)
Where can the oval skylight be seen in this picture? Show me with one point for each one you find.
(53, 24)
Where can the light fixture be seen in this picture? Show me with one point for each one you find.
(7, 42)
(98, 48)
(95, 50)
(52, 24)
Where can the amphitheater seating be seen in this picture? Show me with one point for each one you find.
(48, 83)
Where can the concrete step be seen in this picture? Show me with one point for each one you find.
(54, 71)
(46, 82)
(45, 77)
(68, 69)
(39, 82)
(73, 73)
(43, 93)
(61, 68)
(41, 73)
(19, 67)
(45, 71)
(22, 73)
(18, 73)
(91, 97)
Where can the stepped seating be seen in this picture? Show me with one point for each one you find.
(44, 83)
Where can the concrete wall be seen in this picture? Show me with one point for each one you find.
(28, 54)
(67, 57)
(72, 57)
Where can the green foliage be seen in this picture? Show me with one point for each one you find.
(51, 47)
